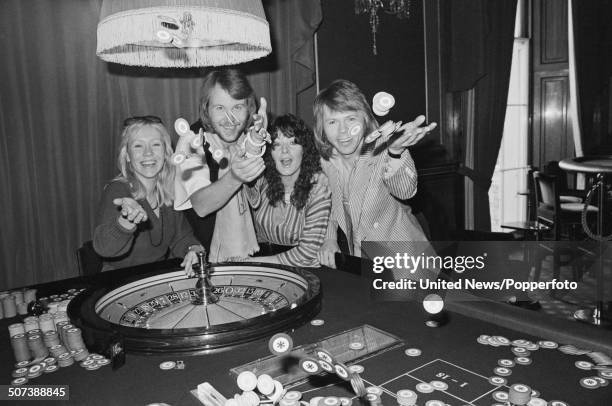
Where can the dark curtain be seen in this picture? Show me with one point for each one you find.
(61, 110)
(481, 39)
(593, 52)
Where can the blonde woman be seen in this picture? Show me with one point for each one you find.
(136, 223)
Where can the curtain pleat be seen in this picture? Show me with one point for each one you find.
(61, 112)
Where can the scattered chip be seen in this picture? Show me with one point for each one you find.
(433, 303)
(548, 344)
(19, 381)
(434, 402)
(505, 363)
(602, 382)
(341, 370)
(357, 369)
(374, 389)
(606, 373)
(557, 403)
(413, 352)
(326, 366)
(497, 381)
(324, 355)
(586, 365)
(317, 322)
(356, 345)
(310, 365)
(424, 387)
(293, 395)
(166, 365)
(589, 383)
(345, 401)
(501, 371)
(439, 385)
(51, 368)
(247, 381)
(500, 396)
(280, 344)
(523, 360)
(265, 384)
(537, 402)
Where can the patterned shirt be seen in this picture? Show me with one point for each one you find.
(286, 225)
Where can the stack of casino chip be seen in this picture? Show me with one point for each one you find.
(37, 346)
(519, 394)
(406, 397)
(19, 342)
(59, 317)
(60, 329)
(65, 359)
(29, 296)
(16, 328)
(9, 306)
(74, 339)
(93, 362)
(31, 323)
(3, 294)
(46, 322)
(58, 350)
(51, 338)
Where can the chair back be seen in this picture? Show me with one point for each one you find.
(88, 259)
(546, 199)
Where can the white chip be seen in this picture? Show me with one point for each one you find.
(424, 387)
(265, 384)
(293, 395)
(412, 352)
(356, 345)
(357, 369)
(317, 322)
(166, 365)
(247, 381)
(439, 385)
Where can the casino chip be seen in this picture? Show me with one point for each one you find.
(433, 303)
(375, 390)
(537, 402)
(501, 371)
(497, 381)
(605, 373)
(310, 365)
(557, 403)
(602, 382)
(589, 383)
(519, 394)
(356, 345)
(324, 355)
(326, 366)
(439, 385)
(265, 384)
(19, 381)
(548, 344)
(505, 363)
(280, 344)
(523, 360)
(586, 365)
(51, 368)
(345, 401)
(434, 402)
(356, 369)
(166, 365)
(424, 387)
(500, 396)
(412, 352)
(317, 322)
(20, 372)
(293, 395)
(315, 401)
(247, 381)
(342, 370)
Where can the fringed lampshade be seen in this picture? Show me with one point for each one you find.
(182, 33)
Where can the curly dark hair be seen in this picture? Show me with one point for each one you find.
(292, 126)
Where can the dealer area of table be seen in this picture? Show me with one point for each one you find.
(451, 353)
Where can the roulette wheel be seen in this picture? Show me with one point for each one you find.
(223, 306)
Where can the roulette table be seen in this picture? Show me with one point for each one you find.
(453, 353)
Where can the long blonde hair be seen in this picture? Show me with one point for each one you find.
(164, 182)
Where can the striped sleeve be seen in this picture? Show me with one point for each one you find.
(253, 192)
(317, 213)
(401, 180)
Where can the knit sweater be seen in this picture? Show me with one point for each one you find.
(149, 241)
